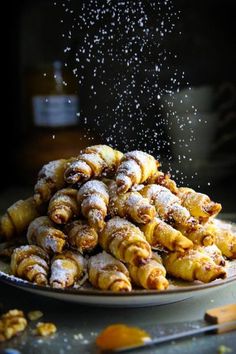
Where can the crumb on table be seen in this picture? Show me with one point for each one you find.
(45, 329)
(12, 323)
(34, 315)
(223, 349)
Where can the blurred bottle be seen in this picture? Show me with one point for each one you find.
(53, 96)
(51, 123)
(54, 128)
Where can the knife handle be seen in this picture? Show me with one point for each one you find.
(222, 314)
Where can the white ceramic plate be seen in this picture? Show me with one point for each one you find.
(135, 298)
(177, 291)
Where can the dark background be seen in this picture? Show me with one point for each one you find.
(207, 52)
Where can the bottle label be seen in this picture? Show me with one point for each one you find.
(55, 110)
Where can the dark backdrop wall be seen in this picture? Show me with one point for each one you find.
(206, 49)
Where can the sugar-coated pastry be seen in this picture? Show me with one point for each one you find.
(17, 218)
(50, 180)
(168, 205)
(159, 234)
(225, 237)
(43, 232)
(66, 268)
(199, 234)
(135, 167)
(63, 206)
(164, 180)
(125, 241)
(199, 205)
(81, 236)
(107, 273)
(93, 199)
(131, 205)
(102, 216)
(151, 275)
(30, 262)
(215, 253)
(93, 161)
(193, 265)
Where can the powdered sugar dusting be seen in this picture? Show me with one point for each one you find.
(165, 197)
(130, 168)
(94, 186)
(48, 170)
(137, 187)
(93, 158)
(59, 272)
(118, 223)
(94, 201)
(140, 156)
(165, 201)
(135, 199)
(51, 243)
(119, 226)
(182, 212)
(61, 198)
(41, 268)
(78, 165)
(102, 260)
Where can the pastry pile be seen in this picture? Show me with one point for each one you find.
(119, 221)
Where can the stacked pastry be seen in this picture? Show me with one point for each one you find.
(117, 219)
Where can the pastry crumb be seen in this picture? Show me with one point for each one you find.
(12, 323)
(45, 329)
(34, 315)
(223, 349)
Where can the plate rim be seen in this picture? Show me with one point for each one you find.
(78, 292)
(21, 283)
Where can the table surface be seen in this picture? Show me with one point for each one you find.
(78, 325)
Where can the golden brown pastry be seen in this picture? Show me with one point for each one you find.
(135, 168)
(199, 205)
(42, 232)
(50, 180)
(94, 161)
(225, 237)
(161, 235)
(215, 253)
(125, 241)
(93, 199)
(131, 205)
(201, 235)
(81, 236)
(30, 262)
(63, 206)
(107, 273)
(151, 275)
(193, 265)
(164, 180)
(66, 268)
(17, 218)
(168, 205)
